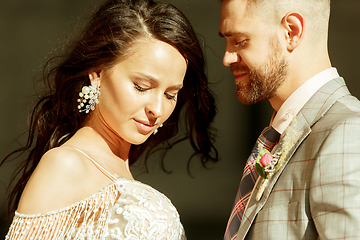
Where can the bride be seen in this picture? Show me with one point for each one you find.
(118, 93)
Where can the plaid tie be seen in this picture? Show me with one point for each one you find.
(268, 138)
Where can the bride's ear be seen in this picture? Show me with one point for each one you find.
(95, 78)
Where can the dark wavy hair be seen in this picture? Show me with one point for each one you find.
(113, 29)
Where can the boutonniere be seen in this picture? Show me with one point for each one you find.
(267, 163)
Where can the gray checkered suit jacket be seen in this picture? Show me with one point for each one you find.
(316, 193)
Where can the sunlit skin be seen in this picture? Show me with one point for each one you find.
(248, 35)
(137, 94)
(255, 59)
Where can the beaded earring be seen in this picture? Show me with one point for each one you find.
(88, 97)
(156, 130)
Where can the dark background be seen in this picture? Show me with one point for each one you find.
(31, 30)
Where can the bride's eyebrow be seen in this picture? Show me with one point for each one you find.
(176, 88)
(152, 79)
(149, 77)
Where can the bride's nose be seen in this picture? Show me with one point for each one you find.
(155, 106)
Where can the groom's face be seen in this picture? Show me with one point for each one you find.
(253, 52)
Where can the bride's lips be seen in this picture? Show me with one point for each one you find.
(144, 126)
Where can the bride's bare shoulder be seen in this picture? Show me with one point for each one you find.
(59, 180)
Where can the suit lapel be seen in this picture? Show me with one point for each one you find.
(312, 112)
(254, 206)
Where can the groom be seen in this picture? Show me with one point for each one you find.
(308, 185)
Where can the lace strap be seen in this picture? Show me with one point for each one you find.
(112, 177)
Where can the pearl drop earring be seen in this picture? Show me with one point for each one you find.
(88, 97)
(156, 130)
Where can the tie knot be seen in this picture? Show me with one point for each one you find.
(268, 138)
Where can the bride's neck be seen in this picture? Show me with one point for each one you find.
(97, 126)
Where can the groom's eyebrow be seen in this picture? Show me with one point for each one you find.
(230, 34)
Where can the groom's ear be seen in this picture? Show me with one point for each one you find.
(294, 27)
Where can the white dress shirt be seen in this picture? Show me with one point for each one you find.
(292, 106)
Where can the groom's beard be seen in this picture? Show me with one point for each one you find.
(263, 81)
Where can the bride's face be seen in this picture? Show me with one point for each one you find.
(140, 92)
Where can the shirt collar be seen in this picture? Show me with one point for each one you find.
(292, 106)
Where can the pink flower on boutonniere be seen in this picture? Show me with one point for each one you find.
(265, 163)
(266, 159)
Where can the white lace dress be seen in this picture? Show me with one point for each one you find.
(125, 209)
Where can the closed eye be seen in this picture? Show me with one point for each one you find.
(170, 94)
(140, 89)
(171, 97)
(240, 43)
(173, 92)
